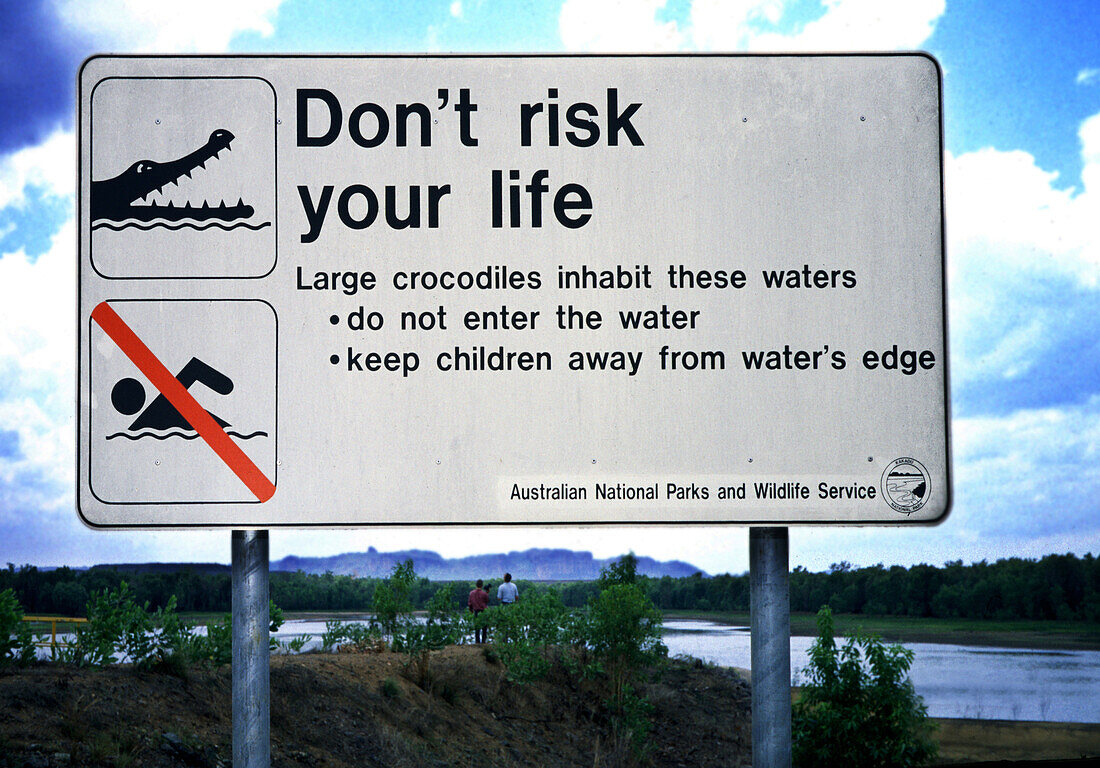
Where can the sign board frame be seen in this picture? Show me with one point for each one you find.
(107, 283)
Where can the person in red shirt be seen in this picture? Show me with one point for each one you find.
(478, 601)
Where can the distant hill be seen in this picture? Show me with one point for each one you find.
(532, 564)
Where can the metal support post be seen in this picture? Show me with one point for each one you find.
(251, 656)
(770, 617)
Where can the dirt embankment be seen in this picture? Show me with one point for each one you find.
(365, 710)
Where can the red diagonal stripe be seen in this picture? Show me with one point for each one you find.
(182, 400)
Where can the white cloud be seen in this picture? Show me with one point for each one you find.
(1024, 263)
(847, 25)
(456, 9)
(50, 165)
(756, 25)
(205, 26)
(1003, 202)
(1088, 76)
(1090, 173)
(37, 350)
(1033, 471)
(617, 26)
(718, 25)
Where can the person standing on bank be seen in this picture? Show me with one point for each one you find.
(507, 592)
(477, 602)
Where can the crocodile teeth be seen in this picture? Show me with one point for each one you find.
(240, 202)
(202, 163)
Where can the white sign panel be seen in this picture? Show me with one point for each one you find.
(511, 289)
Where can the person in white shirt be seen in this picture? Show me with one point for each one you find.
(507, 593)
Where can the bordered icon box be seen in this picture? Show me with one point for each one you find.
(183, 397)
(183, 178)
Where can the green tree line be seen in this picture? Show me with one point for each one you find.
(1063, 587)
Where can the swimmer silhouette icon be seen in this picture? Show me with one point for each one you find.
(128, 397)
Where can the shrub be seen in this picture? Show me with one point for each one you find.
(362, 637)
(390, 688)
(858, 708)
(333, 634)
(168, 639)
(392, 601)
(275, 620)
(444, 625)
(216, 646)
(294, 645)
(524, 633)
(119, 628)
(16, 642)
(116, 625)
(624, 635)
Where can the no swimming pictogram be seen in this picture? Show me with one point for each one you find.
(154, 451)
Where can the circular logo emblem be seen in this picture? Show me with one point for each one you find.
(905, 485)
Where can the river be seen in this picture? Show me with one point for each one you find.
(954, 680)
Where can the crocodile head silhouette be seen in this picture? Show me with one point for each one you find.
(116, 199)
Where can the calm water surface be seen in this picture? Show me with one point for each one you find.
(954, 680)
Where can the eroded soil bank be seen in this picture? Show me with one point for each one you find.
(369, 710)
(365, 710)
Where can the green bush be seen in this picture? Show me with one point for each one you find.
(617, 638)
(858, 708)
(116, 625)
(216, 646)
(392, 600)
(275, 620)
(294, 645)
(444, 625)
(362, 637)
(524, 633)
(333, 634)
(624, 637)
(390, 688)
(625, 633)
(118, 629)
(16, 642)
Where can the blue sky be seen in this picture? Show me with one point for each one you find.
(1022, 120)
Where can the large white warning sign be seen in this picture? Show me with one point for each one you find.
(511, 289)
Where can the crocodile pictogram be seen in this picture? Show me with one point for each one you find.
(115, 200)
